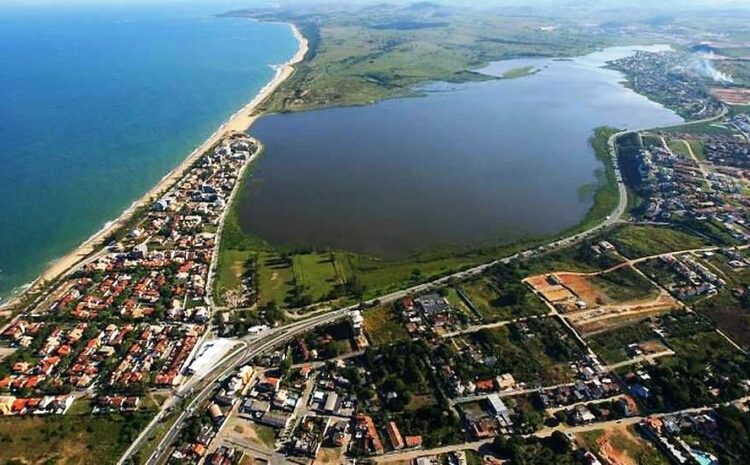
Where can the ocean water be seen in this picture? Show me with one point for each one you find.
(98, 104)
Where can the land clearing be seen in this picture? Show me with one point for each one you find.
(733, 96)
(594, 294)
(621, 445)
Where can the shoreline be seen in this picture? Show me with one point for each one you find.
(240, 121)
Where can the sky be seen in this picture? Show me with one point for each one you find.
(235, 4)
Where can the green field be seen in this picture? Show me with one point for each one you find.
(624, 285)
(361, 55)
(489, 300)
(679, 148)
(382, 327)
(611, 345)
(72, 439)
(318, 273)
(275, 279)
(635, 241)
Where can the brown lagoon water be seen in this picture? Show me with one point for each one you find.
(464, 165)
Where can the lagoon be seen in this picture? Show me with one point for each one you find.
(465, 165)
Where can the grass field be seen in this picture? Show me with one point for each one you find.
(232, 265)
(318, 273)
(699, 149)
(382, 326)
(275, 279)
(624, 285)
(72, 439)
(679, 147)
(487, 299)
(611, 345)
(539, 359)
(635, 241)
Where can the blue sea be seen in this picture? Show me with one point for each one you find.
(99, 103)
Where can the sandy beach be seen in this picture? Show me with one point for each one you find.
(238, 122)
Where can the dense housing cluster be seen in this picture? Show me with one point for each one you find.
(667, 78)
(131, 316)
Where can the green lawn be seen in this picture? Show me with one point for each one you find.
(489, 300)
(317, 273)
(699, 149)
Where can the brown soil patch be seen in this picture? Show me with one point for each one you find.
(616, 446)
(661, 304)
(554, 293)
(583, 288)
(652, 347)
(733, 96)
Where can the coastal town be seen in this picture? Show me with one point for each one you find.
(622, 341)
(129, 319)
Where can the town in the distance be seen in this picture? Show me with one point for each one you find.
(624, 340)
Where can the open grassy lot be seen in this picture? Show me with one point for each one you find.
(699, 148)
(317, 273)
(679, 147)
(494, 303)
(232, 266)
(275, 279)
(455, 301)
(382, 327)
(624, 284)
(730, 312)
(577, 258)
(611, 345)
(538, 352)
(72, 439)
(634, 241)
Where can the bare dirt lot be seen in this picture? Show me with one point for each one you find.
(583, 288)
(733, 96)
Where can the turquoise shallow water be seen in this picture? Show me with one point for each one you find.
(97, 105)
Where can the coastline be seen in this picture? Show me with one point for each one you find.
(240, 121)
